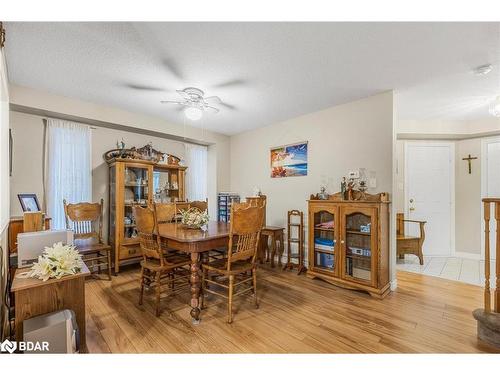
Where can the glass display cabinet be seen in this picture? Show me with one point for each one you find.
(349, 241)
(137, 182)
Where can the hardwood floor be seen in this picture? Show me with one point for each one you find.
(296, 315)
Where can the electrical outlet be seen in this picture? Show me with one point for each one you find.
(353, 174)
(373, 182)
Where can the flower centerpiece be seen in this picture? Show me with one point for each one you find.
(194, 218)
(56, 261)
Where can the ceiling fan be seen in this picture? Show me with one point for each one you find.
(191, 97)
(195, 103)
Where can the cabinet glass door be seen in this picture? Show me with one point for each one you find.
(165, 185)
(359, 245)
(324, 240)
(136, 192)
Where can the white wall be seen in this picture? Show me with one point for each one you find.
(468, 197)
(27, 159)
(342, 138)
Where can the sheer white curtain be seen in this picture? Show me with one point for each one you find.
(68, 167)
(196, 173)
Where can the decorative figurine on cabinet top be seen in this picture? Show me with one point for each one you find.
(350, 188)
(343, 187)
(322, 194)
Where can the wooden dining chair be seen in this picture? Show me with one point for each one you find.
(244, 235)
(180, 206)
(200, 205)
(85, 220)
(156, 264)
(165, 212)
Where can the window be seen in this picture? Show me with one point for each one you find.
(196, 174)
(68, 168)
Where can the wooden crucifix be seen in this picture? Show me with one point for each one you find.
(469, 159)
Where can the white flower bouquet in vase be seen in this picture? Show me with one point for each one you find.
(194, 218)
(55, 262)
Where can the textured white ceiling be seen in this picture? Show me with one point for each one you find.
(265, 72)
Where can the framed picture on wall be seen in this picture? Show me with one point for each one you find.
(29, 202)
(289, 160)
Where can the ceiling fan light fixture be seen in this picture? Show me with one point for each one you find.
(193, 113)
(495, 107)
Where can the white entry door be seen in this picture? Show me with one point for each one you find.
(490, 186)
(430, 194)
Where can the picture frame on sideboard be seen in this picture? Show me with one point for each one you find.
(29, 202)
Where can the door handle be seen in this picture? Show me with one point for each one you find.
(412, 208)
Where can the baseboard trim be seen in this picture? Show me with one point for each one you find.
(460, 254)
(394, 284)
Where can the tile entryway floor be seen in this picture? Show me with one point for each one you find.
(452, 268)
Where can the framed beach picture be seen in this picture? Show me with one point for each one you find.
(289, 160)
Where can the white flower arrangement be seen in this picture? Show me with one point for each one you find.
(194, 218)
(55, 262)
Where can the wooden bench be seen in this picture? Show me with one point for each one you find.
(409, 244)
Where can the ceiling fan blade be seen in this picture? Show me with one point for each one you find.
(231, 83)
(173, 68)
(172, 102)
(211, 109)
(213, 99)
(143, 87)
(228, 106)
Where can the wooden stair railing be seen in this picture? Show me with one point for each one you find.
(488, 321)
(487, 253)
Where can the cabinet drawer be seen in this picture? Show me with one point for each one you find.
(132, 251)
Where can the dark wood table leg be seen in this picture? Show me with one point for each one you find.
(195, 287)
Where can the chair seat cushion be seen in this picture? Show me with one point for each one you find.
(220, 266)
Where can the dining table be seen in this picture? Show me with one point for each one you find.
(196, 242)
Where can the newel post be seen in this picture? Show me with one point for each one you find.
(487, 296)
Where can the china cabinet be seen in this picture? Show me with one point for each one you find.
(138, 182)
(349, 241)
